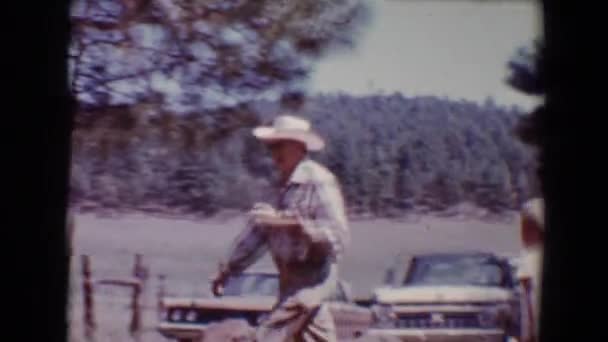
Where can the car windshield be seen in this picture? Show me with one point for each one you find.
(459, 270)
(252, 284)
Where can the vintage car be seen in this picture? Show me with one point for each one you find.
(447, 297)
(249, 297)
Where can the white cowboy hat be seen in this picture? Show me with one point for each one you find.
(289, 127)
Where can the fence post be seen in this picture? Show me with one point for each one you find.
(160, 294)
(87, 287)
(139, 270)
(135, 325)
(140, 273)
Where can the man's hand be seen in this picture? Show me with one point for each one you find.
(261, 211)
(307, 299)
(217, 284)
(265, 214)
(262, 208)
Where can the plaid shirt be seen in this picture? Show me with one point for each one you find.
(304, 256)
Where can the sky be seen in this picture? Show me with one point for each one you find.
(449, 48)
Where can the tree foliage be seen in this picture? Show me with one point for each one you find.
(194, 56)
(392, 154)
(527, 75)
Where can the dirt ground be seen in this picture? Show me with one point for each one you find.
(186, 253)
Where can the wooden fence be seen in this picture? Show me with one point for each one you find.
(136, 283)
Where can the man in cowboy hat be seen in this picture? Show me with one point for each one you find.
(306, 233)
(530, 271)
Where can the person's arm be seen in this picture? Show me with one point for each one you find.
(246, 249)
(524, 277)
(528, 298)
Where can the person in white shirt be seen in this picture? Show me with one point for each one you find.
(306, 233)
(530, 271)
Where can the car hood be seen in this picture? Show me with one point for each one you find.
(261, 303)
(441, 294)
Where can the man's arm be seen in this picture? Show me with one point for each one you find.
(528, 298)
(524, 277)
(246, 249)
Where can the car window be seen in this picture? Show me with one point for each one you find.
(266, 286)
(457, 271)
(252, 285)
